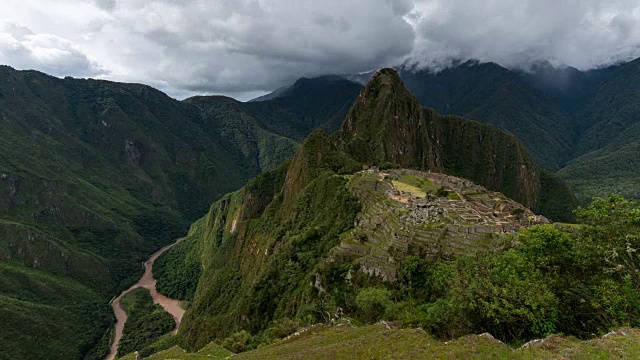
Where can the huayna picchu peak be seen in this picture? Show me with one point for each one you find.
(387, 125)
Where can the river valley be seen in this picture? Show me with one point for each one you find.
(147, 281)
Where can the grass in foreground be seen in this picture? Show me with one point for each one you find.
(381, 342)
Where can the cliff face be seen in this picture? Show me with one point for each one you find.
(387, 125)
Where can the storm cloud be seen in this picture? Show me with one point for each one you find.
(245, 47)
(581, 33)
(20, 47)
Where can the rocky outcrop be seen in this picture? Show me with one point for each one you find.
(133, 151)
(8, 190)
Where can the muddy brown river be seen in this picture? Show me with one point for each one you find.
(148, 282)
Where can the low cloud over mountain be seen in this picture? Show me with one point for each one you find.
(245, 47)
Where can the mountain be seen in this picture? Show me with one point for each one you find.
(612, 110)
(272, 95)
(490, 93)
(582, 125)
(557, 80)
(228, 119)
(282, 246)
(515, 102)
(388, 125)
(606, 156)
(320, 102)
(97, 175)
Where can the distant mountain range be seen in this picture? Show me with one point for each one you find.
(585, 125)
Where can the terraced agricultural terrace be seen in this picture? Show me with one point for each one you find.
(408, 212)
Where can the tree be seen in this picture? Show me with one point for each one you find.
(372, 302)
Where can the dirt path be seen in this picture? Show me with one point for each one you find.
(148, 282)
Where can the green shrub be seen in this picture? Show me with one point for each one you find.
(281, 328)
(237, 342)
(373, 302)
(414, 275)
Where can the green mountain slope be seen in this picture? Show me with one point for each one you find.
(271, 250)
(227, 118)
(607, 153)
(64, 316)
(495, 95)
(96, 175)
(582, 125)
(612, 110)
(613, 169)
(317, 103)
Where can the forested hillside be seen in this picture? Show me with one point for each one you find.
(607, 155)
(94, 177)
(495, 95)
(584, 125)
(317, 103)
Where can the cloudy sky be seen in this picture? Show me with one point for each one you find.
(245, 48)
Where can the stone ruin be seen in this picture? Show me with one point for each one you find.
(394, 224)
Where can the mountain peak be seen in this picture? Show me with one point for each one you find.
(380, 95)
(385, 82)
(386, 73)
(384, 116)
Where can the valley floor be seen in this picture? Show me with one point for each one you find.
(148, 282)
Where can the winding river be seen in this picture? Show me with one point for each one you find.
(148, 282)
